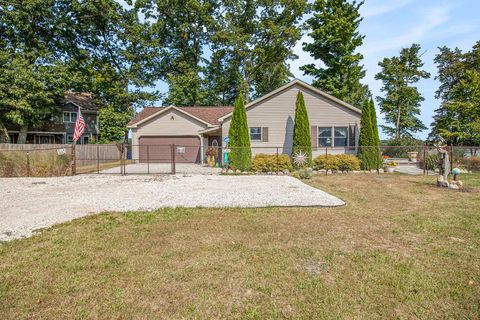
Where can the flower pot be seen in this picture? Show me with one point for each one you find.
(390, 169)
(412, 156)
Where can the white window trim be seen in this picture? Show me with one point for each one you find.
(332, 130)
(250, 133)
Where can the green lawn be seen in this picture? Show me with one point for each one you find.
(401, 248)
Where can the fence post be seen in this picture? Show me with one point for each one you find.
(451, 158)
(28, 164)
(277, 160)
(326, 158)
(148, 159)
(74, 160)
(173, 159)
(121, 159)
(125, 157)
(98, 158)
(425, 159)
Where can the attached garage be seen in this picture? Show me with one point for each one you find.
(159, 149)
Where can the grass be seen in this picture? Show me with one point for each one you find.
(401, 248)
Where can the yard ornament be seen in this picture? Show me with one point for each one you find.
(300, 158)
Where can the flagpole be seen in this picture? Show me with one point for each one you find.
(74, 144)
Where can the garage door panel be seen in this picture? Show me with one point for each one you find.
(159, 149)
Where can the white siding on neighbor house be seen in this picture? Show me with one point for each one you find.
(170, 123)
(278, 112)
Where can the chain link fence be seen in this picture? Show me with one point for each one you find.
(125, 159)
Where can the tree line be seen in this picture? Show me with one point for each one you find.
(208, 52)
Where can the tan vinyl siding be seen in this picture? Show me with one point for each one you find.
(265, 134)
(314, 136)
(164, 125)
(278, 112)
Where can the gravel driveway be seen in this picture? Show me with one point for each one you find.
(27, 204)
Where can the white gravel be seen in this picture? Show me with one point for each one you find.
(27, 204)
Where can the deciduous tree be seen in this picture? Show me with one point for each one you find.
(456, 121)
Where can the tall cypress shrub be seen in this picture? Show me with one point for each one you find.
(376, 137)
(366, 141)
(301, 129)
(240, 152)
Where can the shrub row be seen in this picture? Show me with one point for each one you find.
(268, 163)
(343, 162)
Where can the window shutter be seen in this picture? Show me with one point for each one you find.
(264, 134)
(351, 141)
(314, 136)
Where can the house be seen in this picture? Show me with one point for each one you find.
(334, 125)
(60, 129)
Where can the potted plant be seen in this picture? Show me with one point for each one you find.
(211, 154)
(390, 167)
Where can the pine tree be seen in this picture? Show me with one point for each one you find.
(240, 154)
(366, 154)
(333, 28)
(301, 129)
(376, 138)
(402, 101)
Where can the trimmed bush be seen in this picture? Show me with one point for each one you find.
(366, 138)
(268, 163)
(240, 152)
(342, 162)
(378, 160)
(301, 130)
(303, 173)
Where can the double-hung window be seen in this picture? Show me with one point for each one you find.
(325, 137)
(256, 133)
(340, 136)
(333, 136)
(69, 116)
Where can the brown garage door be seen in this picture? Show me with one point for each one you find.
(158, 149)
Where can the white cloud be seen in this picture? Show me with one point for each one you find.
(432, 19)
(372, 9)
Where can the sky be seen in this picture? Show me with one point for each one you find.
(390, 25)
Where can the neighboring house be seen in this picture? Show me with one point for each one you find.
(61, 129)
(334, 125)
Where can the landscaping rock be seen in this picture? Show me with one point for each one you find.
(238, 171)
(381, 170)
(322, 171)
(286, 171)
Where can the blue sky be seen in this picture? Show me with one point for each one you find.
(390, 25)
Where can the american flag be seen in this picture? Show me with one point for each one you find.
(79, 127)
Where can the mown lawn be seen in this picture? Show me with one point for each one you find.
(401, 248)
